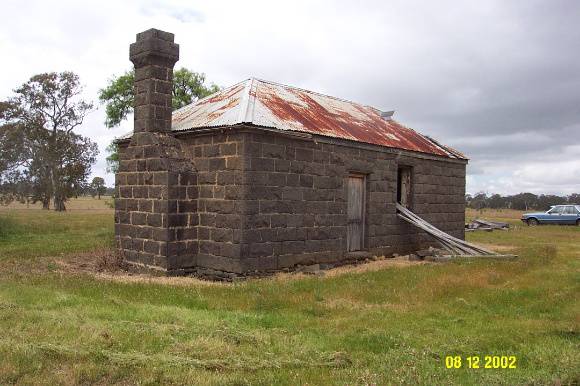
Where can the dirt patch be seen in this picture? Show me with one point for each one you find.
(106, 264)
(178, 281)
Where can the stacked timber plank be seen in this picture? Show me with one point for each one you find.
(452, 244)
(485, 225)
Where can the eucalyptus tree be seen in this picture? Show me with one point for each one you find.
(38, 146)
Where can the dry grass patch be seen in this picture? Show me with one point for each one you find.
(97, 261)
(497, 214)
(107, 264)
(497, 247)
(87, 204)
(373, 266)
(346, 303)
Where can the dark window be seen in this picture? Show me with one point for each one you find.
(404, 186)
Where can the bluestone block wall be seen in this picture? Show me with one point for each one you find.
(263, 201)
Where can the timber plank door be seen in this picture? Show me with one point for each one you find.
(355, 213)
(404, 186)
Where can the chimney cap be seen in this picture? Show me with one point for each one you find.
(154, 47)
(155, 33)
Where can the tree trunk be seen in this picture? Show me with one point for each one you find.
(53, 187)
(46, 203)
(59, 203)
(99, 195)
(54, 181)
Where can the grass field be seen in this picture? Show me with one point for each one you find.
(376, 324)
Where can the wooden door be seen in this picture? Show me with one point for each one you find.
(404, 187)
(355, 213)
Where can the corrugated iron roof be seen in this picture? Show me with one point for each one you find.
(267, 104)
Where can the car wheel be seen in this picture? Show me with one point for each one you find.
(533, 222)
(578, 222)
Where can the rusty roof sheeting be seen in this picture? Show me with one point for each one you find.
(274, 105)
(219, 109)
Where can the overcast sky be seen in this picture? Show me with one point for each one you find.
(498, 80)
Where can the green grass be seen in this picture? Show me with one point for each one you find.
(392, 326)
(31, 233)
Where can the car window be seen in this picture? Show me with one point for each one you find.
(556, 210)
(570, 210)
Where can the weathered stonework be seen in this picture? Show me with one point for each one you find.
(244, 200)
(156, 206)
(283, 199)
(262, 201)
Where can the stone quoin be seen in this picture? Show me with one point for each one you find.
(262, 177)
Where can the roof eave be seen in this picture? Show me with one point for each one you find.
(299, 134)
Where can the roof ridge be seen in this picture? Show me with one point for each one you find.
(316, 93)
(247, 98)
(245, 101)
(251, 100)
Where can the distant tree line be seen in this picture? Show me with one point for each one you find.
(520, 201)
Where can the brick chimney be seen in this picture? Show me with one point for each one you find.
(154, 54)
(156, 205)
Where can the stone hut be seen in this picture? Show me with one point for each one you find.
(262, 177)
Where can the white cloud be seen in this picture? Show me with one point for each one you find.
(506, 92)
(556, 174)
